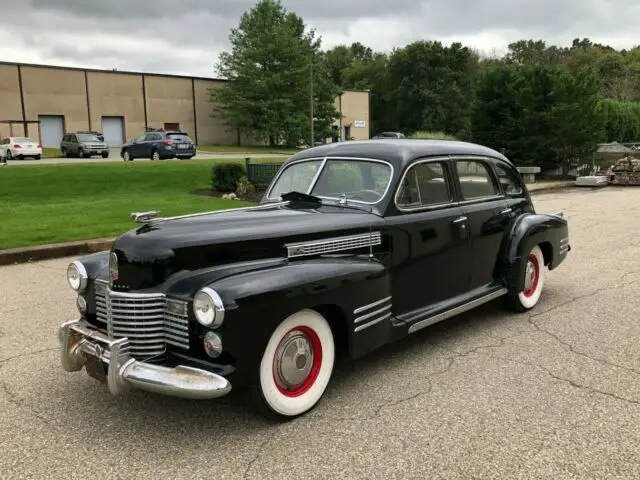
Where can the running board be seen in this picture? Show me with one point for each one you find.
(456, 310)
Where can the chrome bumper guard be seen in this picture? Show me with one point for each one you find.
(83, 346)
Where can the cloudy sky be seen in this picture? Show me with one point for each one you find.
(186, 36)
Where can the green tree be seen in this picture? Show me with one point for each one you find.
(430, 88)
(342, 57)
(273, 65)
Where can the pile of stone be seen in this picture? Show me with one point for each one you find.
(626, 171)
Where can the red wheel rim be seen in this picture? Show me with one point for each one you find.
(536, 275)
(316, 350)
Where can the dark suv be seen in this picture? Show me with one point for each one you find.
(159, 145)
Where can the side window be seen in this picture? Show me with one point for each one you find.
(425, 184)
(509, 184)
(475, 180)
(140, 138)
(73, 139)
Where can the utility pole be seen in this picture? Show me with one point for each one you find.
(311, 100)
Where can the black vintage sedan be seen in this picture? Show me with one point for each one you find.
(353, 246)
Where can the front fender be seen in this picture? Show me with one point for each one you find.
(550, 232)
(256, 302)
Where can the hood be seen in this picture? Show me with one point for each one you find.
(149, 254)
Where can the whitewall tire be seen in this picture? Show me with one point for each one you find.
(296, 366)
(533, 273)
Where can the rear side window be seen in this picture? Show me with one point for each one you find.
(475, 179)
(179, 137)
(425, 184)
(510, 185)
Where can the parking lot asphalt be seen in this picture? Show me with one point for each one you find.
(114, 156)
(489, 394)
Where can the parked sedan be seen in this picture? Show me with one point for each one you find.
(20, 147)
(352, 247)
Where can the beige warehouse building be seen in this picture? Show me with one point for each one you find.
(45, 102)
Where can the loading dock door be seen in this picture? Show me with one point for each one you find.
(51, 130)
(113, 131)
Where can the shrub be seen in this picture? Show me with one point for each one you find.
(244, 187)
(225, 176)
(433, 135)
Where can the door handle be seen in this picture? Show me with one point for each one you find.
(506, 211)
(460, 220)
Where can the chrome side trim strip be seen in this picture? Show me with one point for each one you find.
(370, 305)
(362, 318)
(335, 244)
(457, 310)
(371, 323)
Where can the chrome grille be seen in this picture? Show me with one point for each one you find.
(143, 318)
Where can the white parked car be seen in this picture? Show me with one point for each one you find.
(20, 147)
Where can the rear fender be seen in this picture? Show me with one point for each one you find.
(256, 302)
(529, 230)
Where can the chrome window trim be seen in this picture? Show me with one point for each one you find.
(422, 208)
(284, 167)
(487, 160)
(326, 159)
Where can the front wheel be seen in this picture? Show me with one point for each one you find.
(155, 155)
(126, 156)
(296, 366)
(533, 272)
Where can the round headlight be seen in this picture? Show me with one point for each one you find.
(208, 308)
(77, 276)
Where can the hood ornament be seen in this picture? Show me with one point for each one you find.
(144, 217)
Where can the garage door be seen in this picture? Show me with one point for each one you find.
(113, 131)
(51, 130)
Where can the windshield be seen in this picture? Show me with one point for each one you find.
(359, 180)
(87, 137)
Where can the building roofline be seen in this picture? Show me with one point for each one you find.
(101, 70)
(130, 72)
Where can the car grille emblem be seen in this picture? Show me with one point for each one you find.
(113, 268)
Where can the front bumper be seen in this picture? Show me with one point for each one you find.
(82, 346)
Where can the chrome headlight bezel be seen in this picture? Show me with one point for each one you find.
(208, 308)
(76, 267)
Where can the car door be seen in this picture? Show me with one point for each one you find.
(149, 141)
(487, 216)
(137, 146)
(430, 257)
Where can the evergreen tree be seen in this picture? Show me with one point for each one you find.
(273, 67)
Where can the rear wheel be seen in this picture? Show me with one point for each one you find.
(533, 272)
(9, 155)
(37, 157)
(105, 154)
(155, 155)
(126, 156)
(296, 366)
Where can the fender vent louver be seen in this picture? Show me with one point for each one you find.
(330, 245)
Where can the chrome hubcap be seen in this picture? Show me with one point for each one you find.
(293, 360)
(529, 276)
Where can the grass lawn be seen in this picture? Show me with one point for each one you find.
(51, 152)
(56, 203)
(241, 149)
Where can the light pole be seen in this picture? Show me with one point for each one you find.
(311, 100)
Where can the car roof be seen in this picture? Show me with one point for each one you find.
(397, 151)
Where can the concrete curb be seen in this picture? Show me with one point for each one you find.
(68, 249)
(56, 250)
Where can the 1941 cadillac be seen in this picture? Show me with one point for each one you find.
(354, 245)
